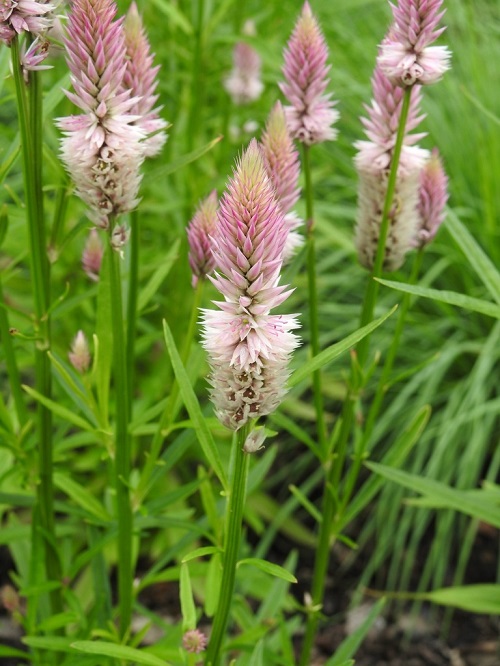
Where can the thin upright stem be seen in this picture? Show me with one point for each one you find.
(234, 520)
(30, 115)
(133, 291)
(329, 502)
(313, 301)
(196, 79)
(122, 445)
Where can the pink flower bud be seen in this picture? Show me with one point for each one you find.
(199, 232)
(79, 355)
(92, 255)
(194, 641)
(433, 195)
(244, 83)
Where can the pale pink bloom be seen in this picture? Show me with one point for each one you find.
(92, 255)
(102, 147)
(18, 16)
(406, 57)
(79, 355)
(311, 114)
(32, 58)
(141, 78)
(373, 162)
(194, 641)
(200, 231)
(281, 159)
(249, 347)
(244, 83)
(433, 196)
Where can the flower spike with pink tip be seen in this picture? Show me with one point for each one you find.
(141, 79)
(311, 114)
(102, 147)
(244, 83)
(433, 196)
(200, 231)
(406, 57)
(249, 347)
(281, 159)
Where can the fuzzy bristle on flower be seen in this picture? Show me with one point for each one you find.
(200, 231)
(194, 641)
(102, 147)
(249, 348)
(373, 163)
(311, 114)
(281, 159)
(244, 83)
(406, 56)
(141, 78)
(18, 16)
(433, 196)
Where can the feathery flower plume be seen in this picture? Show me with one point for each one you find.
(311, 114)
(244, 84)
(92, 255)
(141, 78)
(281, 159)
(249, 348)
(102, 147)
(406, 57)
(80, 353)
(199, 232)
(373, 163)
(433, 196)
(18, 16)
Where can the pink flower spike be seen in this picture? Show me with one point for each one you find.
(32, 58)
(18, 16)
(102, 148)
(249, 347)
(141, 78)
(373, 163)
(406, 56)
(199, 232)
(433, 196)
(281, 159)
(311, 114)
(244, 83)
(79, 355)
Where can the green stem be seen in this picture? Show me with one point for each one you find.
(196, 79)
(329, 503)
(122, 446)
(234, 520)
(30, 116)
(168, 415)
(10, 362)
(313, 302)
(133, 291)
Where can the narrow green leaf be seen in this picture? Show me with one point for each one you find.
(257, 656)
(183, 161)
(474, 253)
(17, 499)
(81, 496)
(350, 645)
(308, 506)
(188, 609)
(52, 643)
(269, 568)
(6, 651)
(158, 276)
(200, 552)
(332, 352)
(59, 410)
(193, 407)
(441, 493)
(174, 15)
(450, 297)
(124, 652)
(103, 340)
(212, 585)
(483, 598)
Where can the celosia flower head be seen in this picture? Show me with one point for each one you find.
(102, 147)
(249, 347)
(311, 114)
(18, 16)
(373, 162)
(406, 56)
(244, 83)
(194, 641)
(200, 231)
(80, 353)
(92, 255)
(281, 159)
(141, 78)
(433, 196)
